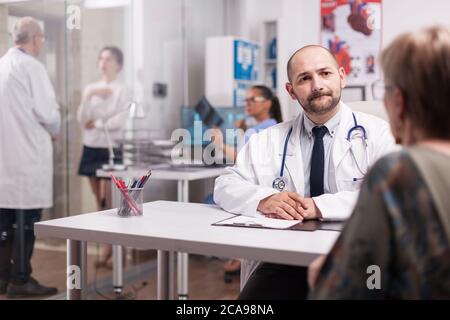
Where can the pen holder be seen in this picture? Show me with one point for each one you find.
(130, 202)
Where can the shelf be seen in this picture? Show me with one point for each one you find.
(269, 64)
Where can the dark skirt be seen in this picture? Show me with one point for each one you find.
(94, 158)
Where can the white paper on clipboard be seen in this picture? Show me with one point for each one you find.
(257, 222)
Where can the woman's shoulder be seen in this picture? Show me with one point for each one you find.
(397, 167)
(264, 124)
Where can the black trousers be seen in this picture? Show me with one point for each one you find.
(276, 282)
(17, 243)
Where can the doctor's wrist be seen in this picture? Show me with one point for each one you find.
(262, 204)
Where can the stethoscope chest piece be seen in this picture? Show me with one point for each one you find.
(279, 184)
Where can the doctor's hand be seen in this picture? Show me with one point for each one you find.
(283, 205)
(308, 209)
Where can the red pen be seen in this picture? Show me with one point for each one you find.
(125, 194)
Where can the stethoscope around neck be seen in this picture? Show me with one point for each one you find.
(279, 183)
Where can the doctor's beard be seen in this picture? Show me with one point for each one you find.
(315, 105)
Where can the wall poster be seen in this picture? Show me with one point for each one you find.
(351, 29)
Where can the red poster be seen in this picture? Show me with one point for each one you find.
(351, 29)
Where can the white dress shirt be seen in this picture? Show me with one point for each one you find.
(307, 144)
(108, 114)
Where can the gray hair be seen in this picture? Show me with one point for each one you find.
(24, 30)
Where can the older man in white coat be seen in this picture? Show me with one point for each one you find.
(308, 168)
(29, 119)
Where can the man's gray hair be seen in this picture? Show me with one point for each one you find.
(24, 30)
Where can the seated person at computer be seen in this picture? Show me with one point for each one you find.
(263, 110)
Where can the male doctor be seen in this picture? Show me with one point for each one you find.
(29, 118)
(308, 168)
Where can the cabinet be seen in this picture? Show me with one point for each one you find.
(269, 38)
(232, 67)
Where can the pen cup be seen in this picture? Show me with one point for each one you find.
(130, 202)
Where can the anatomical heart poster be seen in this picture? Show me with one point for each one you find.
(351, 29)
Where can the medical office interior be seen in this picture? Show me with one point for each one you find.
(174, 52)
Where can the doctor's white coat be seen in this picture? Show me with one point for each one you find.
(29, 117)
(243, 186)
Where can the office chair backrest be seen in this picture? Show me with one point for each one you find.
(375, 108)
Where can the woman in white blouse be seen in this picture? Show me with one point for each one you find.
(103, 107)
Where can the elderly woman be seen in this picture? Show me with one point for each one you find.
(396, 244)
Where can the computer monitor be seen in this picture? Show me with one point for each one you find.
(208, 114)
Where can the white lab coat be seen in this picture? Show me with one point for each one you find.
(243, 186)
(29, 117)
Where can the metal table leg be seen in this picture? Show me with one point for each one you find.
(183, 258)
(117, 269)
(76, 270)
(172, 290)
(163, 275)
(165, 278)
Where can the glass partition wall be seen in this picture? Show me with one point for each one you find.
(163, 45)
(151, 36)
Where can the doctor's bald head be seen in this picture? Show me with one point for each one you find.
(316, 81)
(310, 48)
(28, 35)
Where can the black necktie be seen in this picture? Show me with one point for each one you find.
(317, 162)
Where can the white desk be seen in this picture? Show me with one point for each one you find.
(183, 175)
(182, 227)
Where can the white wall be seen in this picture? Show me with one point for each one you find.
(169, 47)
(300, 25)
(243, 18)
(408, 15)
(3, 30)
(97, 31)
(168, 51)
(205, 18)
(254, 13)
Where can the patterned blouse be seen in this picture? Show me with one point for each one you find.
(396, 228)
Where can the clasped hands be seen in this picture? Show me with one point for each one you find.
(289, 206)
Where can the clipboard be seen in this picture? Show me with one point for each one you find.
(310, 225)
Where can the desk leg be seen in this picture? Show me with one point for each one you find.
(76, 270)
(171, 273)
(117, 250)
(163, 272)
(183, 258)
(117, 269)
